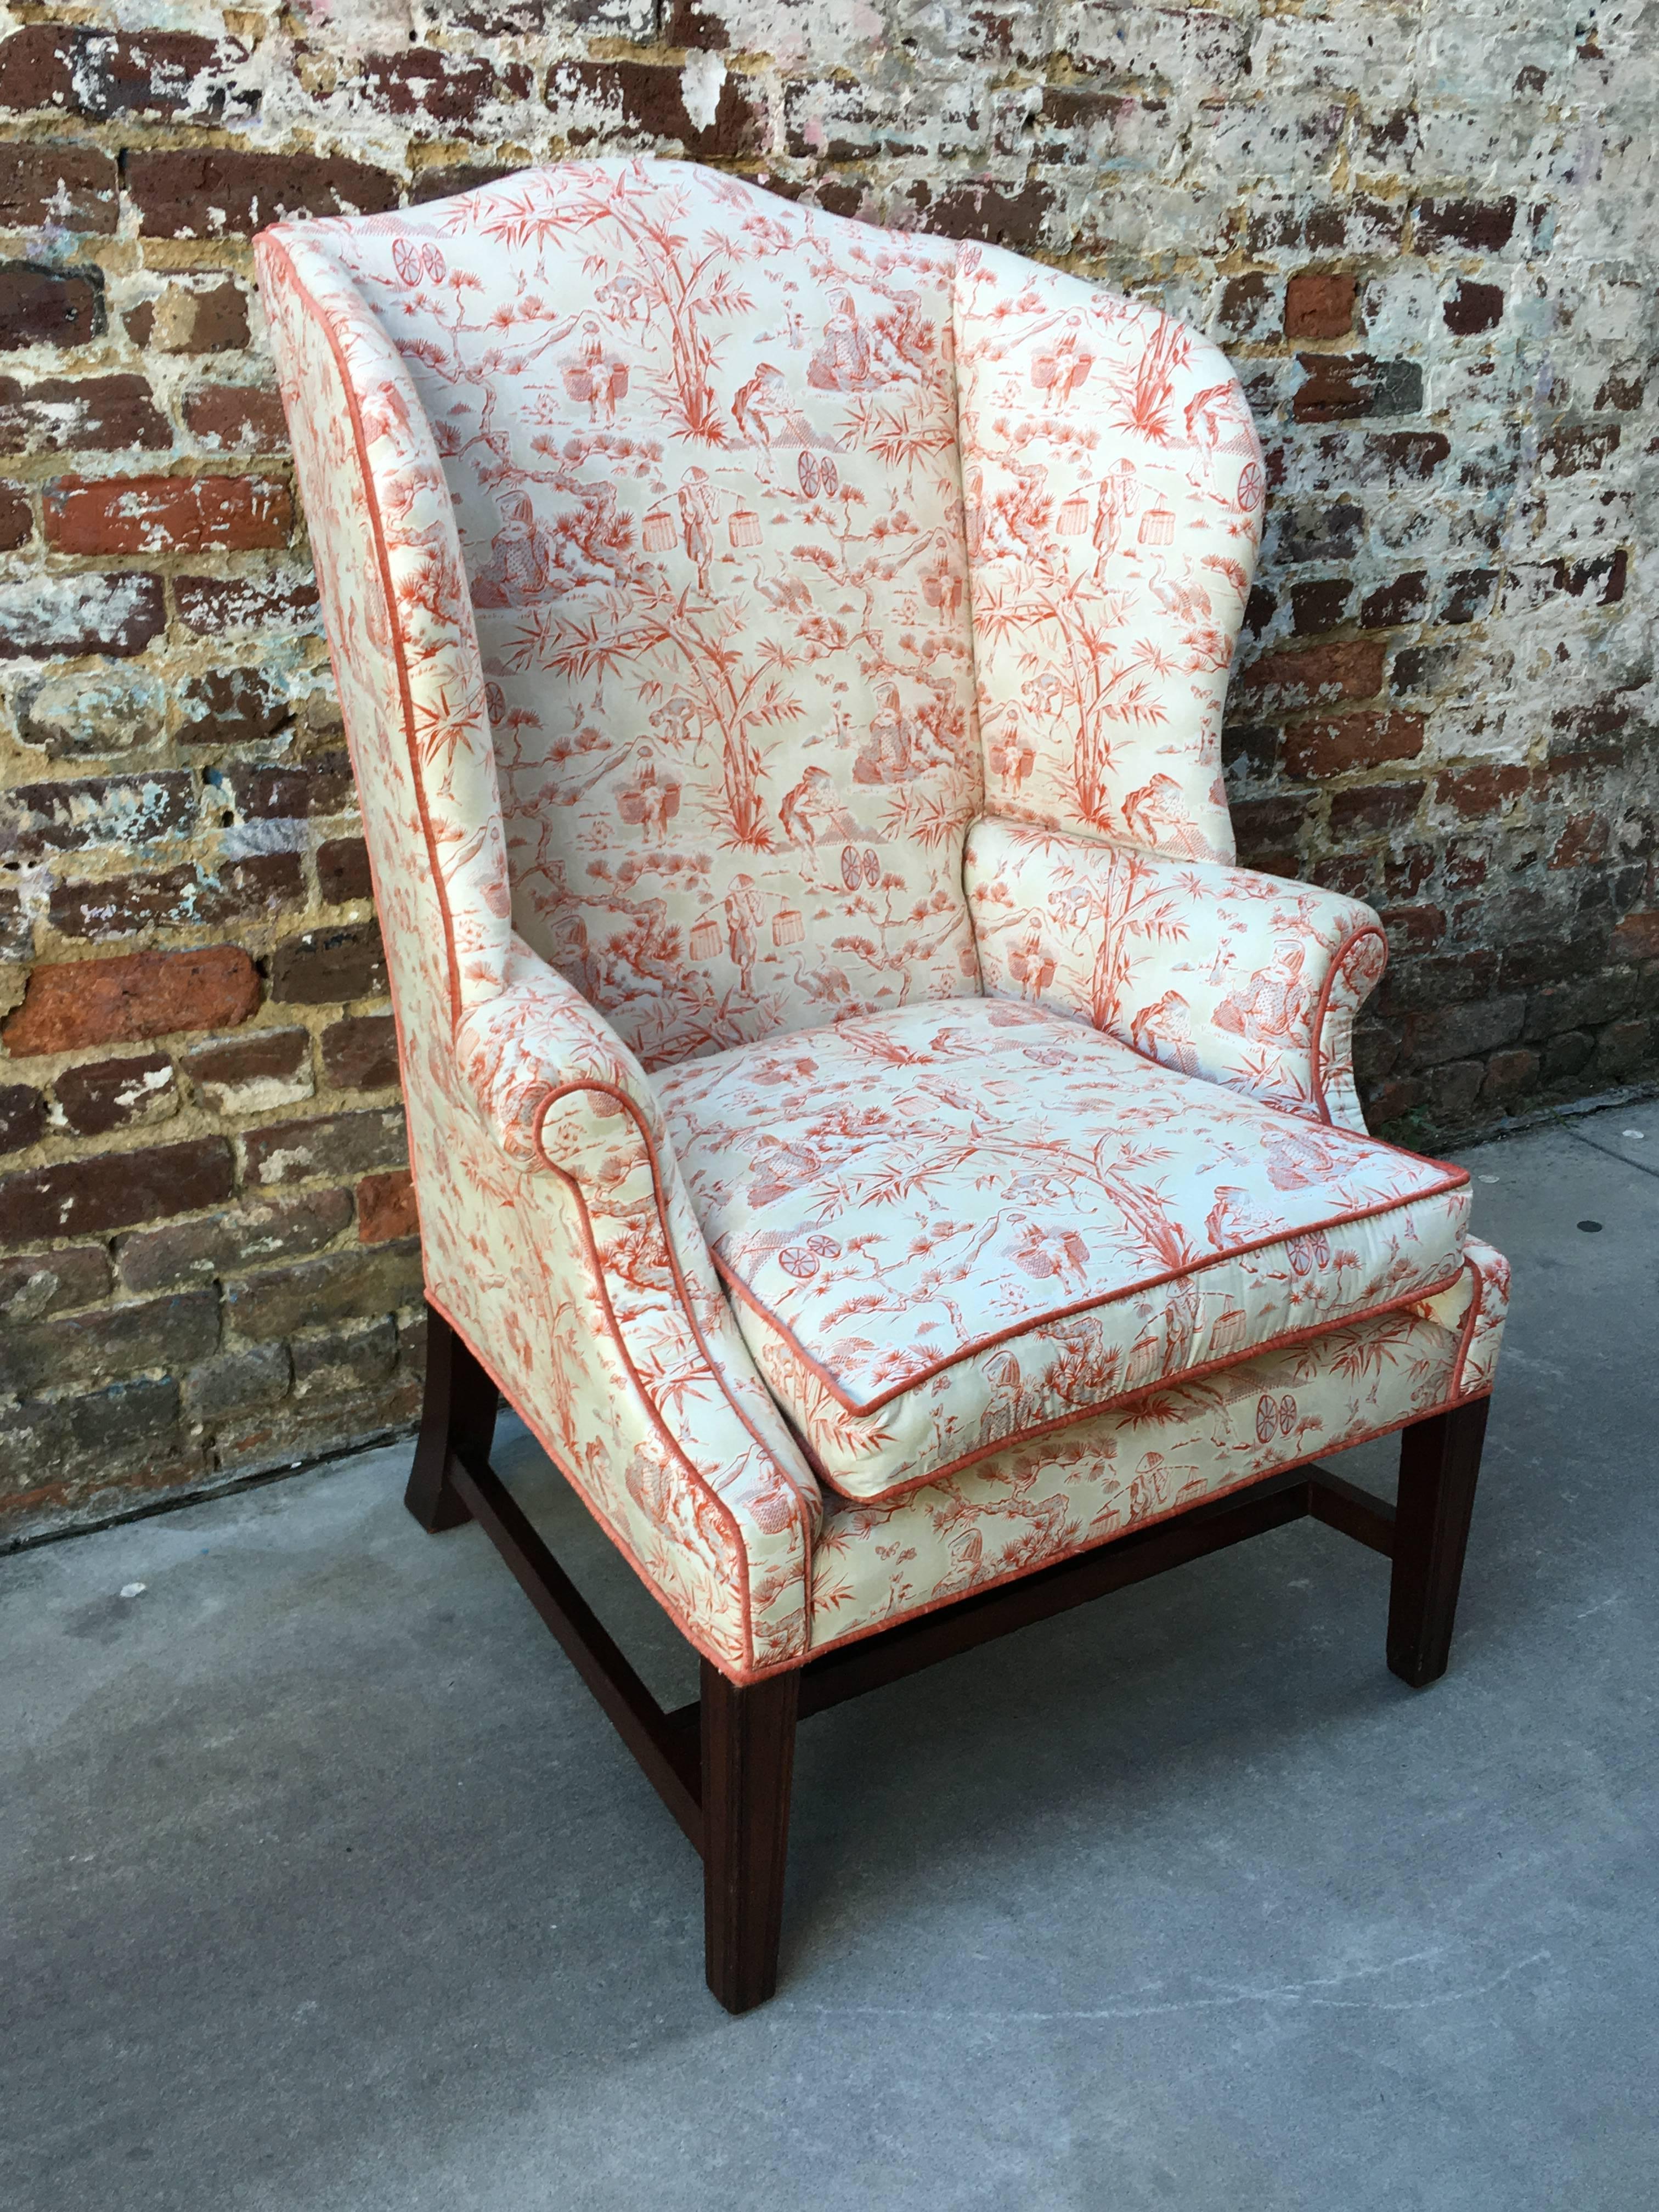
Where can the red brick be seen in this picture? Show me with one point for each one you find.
(1358, 225)
(270, 791)
(1247, 307)
(78, 413)
(325, 964)
(646, 99)
(209, 193)
(1006, 216)
(83, 613)
(113, 1094)
(1576, 445)
(118, 1341)
(102, 74)
(342, 871)
(179, 899)
(1320, 604)
(386, 1207)
(1317, 750)
(144, 994)
(236, 418)
(337, 1144)
(1406, 599)
(211, 605)
(334, 1286)
(49, 306)
(1267, 830)
(231, 707)
(459, 177)
(1622, 1048)
(1583, 841)
(197, 1251)
(36, 1284)
(1458, 1032)
(191, 318)
(252, 1073)
(1342, 387)
(453, 89)
(1374, 809)
(1478, 226)
(1413, 928)
(88, 1198)
(36, 818)
(1319, 306)
(1477, 792)
(1290, 679)
(1636, 937)
(166, 514)
(22, 1116)
(1509, 1074)
(75, 186)
(1389, 458)
(361, 1053)
(1622, 388)
(16, 519)
(1473, 307)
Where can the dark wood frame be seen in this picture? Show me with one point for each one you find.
(723, 1767)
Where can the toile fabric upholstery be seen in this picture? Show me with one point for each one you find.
(858, 1113)
(947, 1227)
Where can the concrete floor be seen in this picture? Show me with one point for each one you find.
(331, 1891)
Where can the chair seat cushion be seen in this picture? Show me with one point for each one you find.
(951, 1226)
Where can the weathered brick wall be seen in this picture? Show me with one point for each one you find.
(1426, 232)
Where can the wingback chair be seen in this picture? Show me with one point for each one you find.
(906, 1175)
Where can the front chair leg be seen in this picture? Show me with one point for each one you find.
(458, 1421)
(748, 1761)
(1439, 1461)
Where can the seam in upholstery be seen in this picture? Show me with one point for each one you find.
(1288, 1339)
(1457, 1179)
(1344, 946)
(682, 1621)
(274, 248)
(804, 1517)
(1076, 1551)
(1316, 1026)
(1468, 1337)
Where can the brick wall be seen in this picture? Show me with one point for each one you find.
(1426, 232)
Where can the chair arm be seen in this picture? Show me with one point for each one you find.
(1242, 979)
(557, 1086)
(663, 1402)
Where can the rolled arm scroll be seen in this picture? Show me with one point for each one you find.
(1240, 978)
(563, 1097)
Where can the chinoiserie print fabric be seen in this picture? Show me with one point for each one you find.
(783, 664)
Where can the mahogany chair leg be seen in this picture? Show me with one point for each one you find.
(748, 1761)
(1439, 1461)
(458, 1421)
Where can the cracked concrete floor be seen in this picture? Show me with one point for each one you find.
(328, 1887)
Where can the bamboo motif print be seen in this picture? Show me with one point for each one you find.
(1012, 1202)
(704, 462)
(1115, 491)
(1033, 1163)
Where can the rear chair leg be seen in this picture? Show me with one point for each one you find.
(458, 1421)
(748, 1759)
(1439, 1461)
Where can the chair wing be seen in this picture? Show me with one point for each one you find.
(557, 1236)
(1115, 491)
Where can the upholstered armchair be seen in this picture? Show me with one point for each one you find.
(906, 1175)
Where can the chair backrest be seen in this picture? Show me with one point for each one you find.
(703, 452)
(702, 449)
